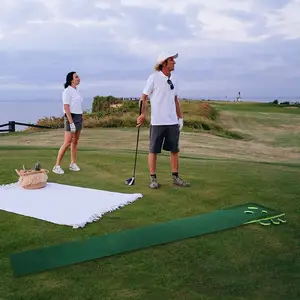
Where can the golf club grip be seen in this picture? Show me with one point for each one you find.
(141, 105)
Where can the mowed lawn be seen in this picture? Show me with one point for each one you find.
(249, 262)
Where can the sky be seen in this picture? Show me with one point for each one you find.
(224, 46)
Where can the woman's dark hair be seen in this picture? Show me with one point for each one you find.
(69, 79)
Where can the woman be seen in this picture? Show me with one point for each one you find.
(72, 107)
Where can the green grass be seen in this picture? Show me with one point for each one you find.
(274, 120)
(277, 126)
(291, 140)
(250, 262)
(254, 107)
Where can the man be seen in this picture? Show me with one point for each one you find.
(166, 117)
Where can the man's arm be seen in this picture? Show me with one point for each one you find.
(144, 103)
(178, 110)
(141, 118)
(179, 113)
(146, 91)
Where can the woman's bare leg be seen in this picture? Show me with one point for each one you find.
(74, 146)
(64, 147)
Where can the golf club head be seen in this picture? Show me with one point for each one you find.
(129, 181)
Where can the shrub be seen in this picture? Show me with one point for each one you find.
(207, 111)
(110, 112)
(53, 122)
(101, 103)
(202, 123)
(126, 120)
(199, 108)
(130, 106)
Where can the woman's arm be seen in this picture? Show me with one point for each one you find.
(66, 99)
(68, 113)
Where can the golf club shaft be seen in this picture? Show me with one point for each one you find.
(137, 140)
(136, 150)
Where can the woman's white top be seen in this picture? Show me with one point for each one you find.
(72, 97)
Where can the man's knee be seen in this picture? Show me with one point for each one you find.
(152, 155)
(154, 149)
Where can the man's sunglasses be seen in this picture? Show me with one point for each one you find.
(170, 84)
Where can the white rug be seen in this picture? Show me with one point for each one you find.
(62, 204)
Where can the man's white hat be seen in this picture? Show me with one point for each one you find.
(165, 55)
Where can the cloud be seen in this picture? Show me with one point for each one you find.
(271, 4)
(224, 46)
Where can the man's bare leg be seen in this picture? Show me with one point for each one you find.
(174, 159)
(152, 158)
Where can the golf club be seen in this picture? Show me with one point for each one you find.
(131, 180)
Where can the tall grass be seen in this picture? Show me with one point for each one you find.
(199, 116)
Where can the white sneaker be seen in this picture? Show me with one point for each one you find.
(58, 170)
(74, 167)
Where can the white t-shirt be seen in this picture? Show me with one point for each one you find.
(162, 99)
(72, 97)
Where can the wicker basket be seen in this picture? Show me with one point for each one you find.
(33, 179)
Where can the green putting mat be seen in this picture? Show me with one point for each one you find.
(34, 261)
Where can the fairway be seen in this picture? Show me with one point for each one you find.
(248, 262)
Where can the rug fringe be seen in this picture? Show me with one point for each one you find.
(9, 184)
(96, 217)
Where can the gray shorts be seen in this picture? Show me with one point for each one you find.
(164, 137)
(77, 120)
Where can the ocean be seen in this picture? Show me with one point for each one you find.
(31, 111)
